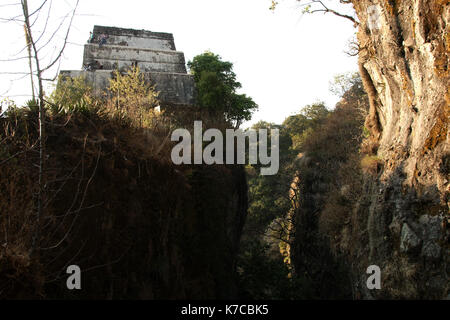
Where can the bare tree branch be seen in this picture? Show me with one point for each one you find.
(65, 40)
(325, 9)
(33, 53)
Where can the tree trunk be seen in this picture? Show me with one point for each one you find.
(41, 182)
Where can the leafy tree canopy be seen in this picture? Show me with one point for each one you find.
(299, 126)
(217, 88)
(345, 82)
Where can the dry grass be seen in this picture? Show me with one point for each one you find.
(371, 165)
(114, 202)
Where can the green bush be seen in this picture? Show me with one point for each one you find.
(72, 95)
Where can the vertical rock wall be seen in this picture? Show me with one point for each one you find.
(404, 61)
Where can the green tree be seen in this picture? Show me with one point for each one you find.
(132, 96)
(217, 87)
(299, 126)
(350, 82)
(72, 95)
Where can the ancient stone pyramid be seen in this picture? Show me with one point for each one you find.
(153, 52)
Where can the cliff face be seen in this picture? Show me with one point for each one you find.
(404, 59)
(394, 212)
(137, 226)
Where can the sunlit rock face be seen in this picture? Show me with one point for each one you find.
(404, 59)
(153, 52)
(398, 218)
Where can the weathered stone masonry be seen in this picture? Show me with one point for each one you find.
(153, 52)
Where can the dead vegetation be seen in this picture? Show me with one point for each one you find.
(115, 205)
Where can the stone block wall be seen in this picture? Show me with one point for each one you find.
(136, 38)
(153, 52)
(113, 57)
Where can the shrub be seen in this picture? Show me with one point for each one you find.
(133, 98)
(72, 95)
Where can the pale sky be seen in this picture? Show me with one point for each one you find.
(284, 60)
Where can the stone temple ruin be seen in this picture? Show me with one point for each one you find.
(154, 53)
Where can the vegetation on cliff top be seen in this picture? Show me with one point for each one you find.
(295, 217)
(217, 86)
(138, 226)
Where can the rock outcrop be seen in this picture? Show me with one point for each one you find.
(404, 60)
(393, 213)
(138, 226)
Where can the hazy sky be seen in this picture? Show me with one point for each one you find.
(284, 60)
